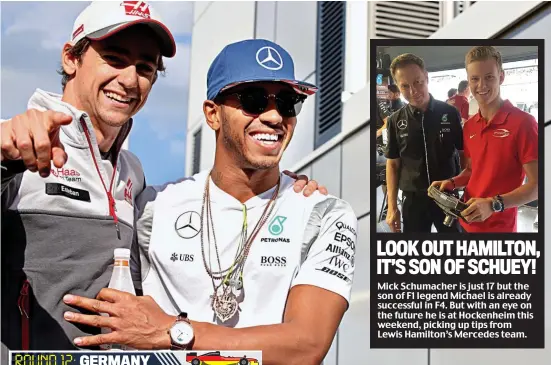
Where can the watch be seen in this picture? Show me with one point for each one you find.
(181, 333)
(497, 204)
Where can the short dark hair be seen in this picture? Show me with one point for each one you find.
(393, 88)
(78, 51)
(452, 92)
(403, 60)
(463, 85)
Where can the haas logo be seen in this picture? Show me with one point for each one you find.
(137, 8)
(128, 192)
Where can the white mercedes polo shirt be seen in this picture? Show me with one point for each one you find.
(306, 240)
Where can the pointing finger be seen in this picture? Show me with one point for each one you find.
(8, 145)
(24, 144)
(42, 149)
(58, 119)
(59, 157)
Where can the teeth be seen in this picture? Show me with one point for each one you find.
(265, 137)
(117, 97)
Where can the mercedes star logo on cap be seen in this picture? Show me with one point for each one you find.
(269, 58)
(188, 224)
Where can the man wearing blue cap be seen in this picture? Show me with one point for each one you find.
(230, 258)
(61, 223)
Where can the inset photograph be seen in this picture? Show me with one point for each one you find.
(457, 143)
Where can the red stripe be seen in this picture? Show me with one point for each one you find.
(23, 303)
(112, 212)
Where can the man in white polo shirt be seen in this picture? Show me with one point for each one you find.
(232, 258)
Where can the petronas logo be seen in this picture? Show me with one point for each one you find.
(276, 227)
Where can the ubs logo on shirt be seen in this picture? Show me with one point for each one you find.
(181, 257)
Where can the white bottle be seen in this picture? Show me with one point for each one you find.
(121, 279)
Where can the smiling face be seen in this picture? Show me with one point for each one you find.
(412, 81)
(115, 75)
(255, 141)
(485, 79)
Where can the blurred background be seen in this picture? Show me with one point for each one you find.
(330, 45)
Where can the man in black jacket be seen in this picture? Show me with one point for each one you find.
(423, 138)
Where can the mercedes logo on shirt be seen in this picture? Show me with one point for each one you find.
(188, 225)
(269, 58)
(402, 124)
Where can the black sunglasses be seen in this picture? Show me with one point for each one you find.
(254, 101)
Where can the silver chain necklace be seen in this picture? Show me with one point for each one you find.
(224, 299)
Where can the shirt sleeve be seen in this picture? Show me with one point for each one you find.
(392, 150)
(143, 226)
(527, 140)
(329, 248)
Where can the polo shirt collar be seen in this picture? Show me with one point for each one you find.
(501, 115)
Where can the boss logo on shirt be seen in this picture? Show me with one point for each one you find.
(335, 273)
(273, 261)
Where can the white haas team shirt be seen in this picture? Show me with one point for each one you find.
(307, 240)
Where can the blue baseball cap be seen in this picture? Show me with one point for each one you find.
(253, 60)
